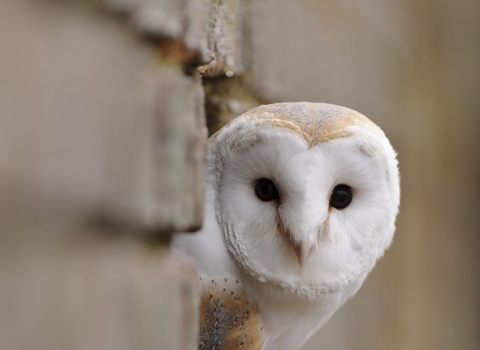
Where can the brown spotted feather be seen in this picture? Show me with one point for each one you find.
(228, 321)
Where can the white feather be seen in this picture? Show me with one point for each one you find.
(251, 240)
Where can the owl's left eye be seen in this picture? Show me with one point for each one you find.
(266, 190)
(341, 197)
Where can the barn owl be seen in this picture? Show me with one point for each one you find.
(300, 203)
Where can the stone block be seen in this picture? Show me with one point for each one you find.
(94, 124)
(187, 23)
(65, 286)
(230, 38)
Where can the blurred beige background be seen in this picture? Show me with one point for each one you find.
(102, 126)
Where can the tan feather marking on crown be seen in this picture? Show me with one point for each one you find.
(228, 321)
(316, 122)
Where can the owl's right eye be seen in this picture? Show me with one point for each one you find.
(265, 190)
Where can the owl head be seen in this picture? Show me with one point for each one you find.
(305, 194)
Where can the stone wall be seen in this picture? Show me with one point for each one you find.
(102, 135)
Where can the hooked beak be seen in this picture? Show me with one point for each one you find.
(303, 251)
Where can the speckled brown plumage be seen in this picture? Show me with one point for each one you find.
(228, 321)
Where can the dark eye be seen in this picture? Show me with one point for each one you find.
(265, 190)
(341, 197)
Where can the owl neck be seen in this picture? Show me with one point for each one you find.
(289, 320)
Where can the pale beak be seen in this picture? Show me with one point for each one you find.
(303, 251)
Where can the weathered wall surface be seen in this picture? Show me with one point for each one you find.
(104, 109)
(102, 132)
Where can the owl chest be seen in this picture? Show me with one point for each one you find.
(228, 320)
